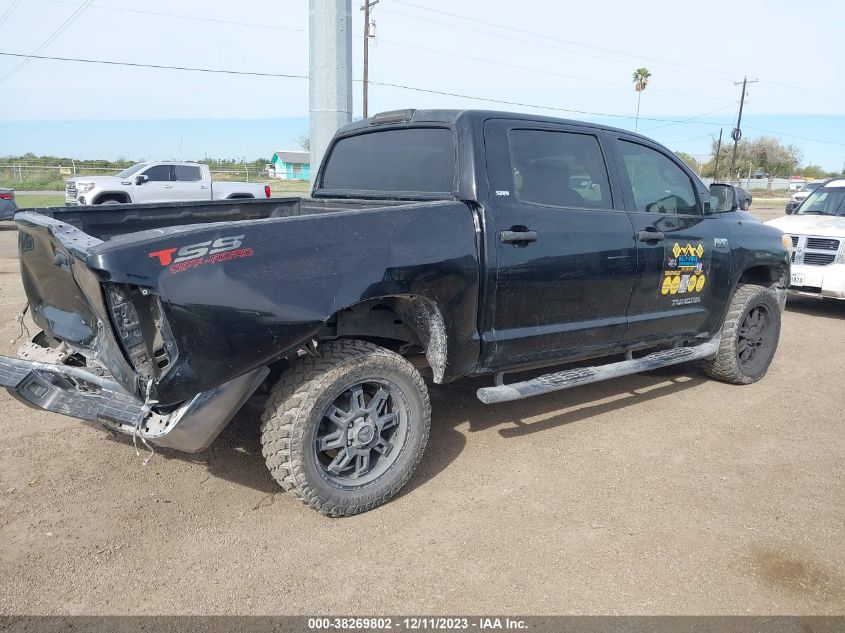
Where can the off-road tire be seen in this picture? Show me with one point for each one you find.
(726, 365)
(295, 408)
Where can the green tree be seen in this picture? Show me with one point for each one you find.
(690, 160)
(774, 158)
(641, 77)
(744, 159)
(815, 171)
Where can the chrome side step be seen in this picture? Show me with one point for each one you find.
(586, 375)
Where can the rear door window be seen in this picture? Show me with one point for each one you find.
(413, 160)
(188, 173)
(561, 169)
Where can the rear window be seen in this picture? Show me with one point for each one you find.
(416, 160)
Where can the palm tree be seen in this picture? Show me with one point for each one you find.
(641, 77)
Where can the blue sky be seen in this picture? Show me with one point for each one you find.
(544, 53)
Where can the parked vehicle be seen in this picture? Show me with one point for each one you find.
(817, 230)
(7, 204)
(744, 198)
(799, 196)
(461, 246)
(157, 182)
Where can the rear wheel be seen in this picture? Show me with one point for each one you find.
(750, 337)
(745, 204)
(345, 431)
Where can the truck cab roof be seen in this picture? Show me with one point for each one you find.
(411, 116)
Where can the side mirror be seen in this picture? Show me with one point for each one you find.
(723, 198)
(140, 180)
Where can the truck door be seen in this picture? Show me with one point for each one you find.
(189, 184)
(158, 187)
(683, 255)
(560, 241)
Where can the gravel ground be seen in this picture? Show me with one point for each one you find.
(658, 493)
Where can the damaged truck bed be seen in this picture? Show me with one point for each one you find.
(444, 243)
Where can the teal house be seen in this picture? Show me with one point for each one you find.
(291, 165)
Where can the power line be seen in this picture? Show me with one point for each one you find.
(622, 54)
(529, 105)
(50, 39)
(803, 138)
(155, 66)
(295, 76)
(389, 85)
(687, 140)
(625, 55)
(617, 56)
(503, 64)
(697, 116)
(182, 16)
(8, 12)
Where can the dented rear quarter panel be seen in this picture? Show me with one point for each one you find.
(231, 316)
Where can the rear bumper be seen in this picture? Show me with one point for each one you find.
(71, 391)
(80, 393)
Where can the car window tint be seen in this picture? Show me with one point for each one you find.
(659, 184)
(158, 173)
(418, 160)
(188, 173)
(561, 169)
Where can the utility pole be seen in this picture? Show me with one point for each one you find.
(366, 8)
(718, 151)
(330, 72)
(737, 131)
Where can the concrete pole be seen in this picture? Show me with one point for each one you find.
(330, 71)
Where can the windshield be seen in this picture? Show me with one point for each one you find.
(824, 201)
(131, 170)
(412, 160)
(811, 186)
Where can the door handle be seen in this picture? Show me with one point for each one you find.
(650, 236)
(510, 237)
(167, 187)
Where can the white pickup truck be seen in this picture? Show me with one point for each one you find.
(157, 182)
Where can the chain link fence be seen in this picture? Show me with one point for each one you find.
(44, 185)
(39, 178)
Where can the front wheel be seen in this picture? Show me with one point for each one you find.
(345, 430)
(750, 337)
(745, 204)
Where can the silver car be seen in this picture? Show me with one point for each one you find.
(7, 204)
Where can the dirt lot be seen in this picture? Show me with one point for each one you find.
(658, 493)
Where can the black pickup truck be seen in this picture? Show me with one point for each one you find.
(447, 243)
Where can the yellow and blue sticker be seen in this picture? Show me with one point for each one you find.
(685, 270)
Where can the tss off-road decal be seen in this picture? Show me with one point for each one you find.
(210, 252)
